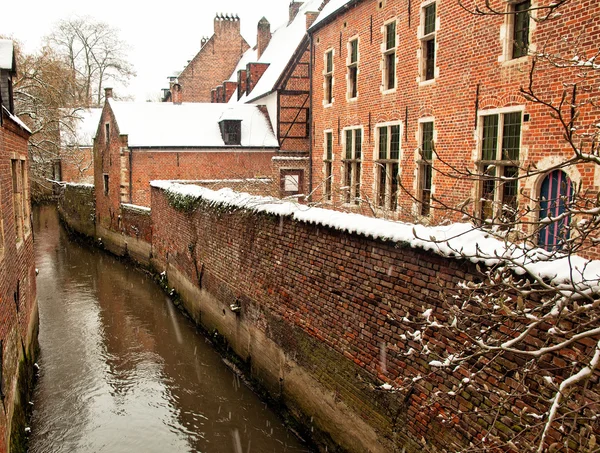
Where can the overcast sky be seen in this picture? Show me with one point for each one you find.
(162, 36)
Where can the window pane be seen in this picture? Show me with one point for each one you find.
(395, 142)
(489, 144)
(487, 194)
(521, 29)
(329, 66)
(426, 177)
(383, 142)
(382, 185)
(390, 35)
(328, 176)
(394, 184)
(511, 136)
(353, 71)
(390, 64)
(329, 145)
(427, 140)
(429, 59)
(509, 192)
(358, 143)
(348, 144)
(353, 51)
(357, 182)
(429, 19)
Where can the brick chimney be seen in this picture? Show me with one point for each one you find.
(108, 93)
(263, 36)
(176, 94)
(226, 26)
(311, 16)
(293, 9)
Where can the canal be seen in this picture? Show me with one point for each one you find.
(122, 370)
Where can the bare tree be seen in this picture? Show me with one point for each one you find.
(95, 54)
(521, 356)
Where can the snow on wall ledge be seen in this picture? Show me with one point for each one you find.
(457, 240)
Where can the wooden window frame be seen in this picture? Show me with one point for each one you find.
(352, 164)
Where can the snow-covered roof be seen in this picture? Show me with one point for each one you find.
(16, 119)
(458, 240)
(163, 124)
(248, 57)
(282, 45)
(80, 127)
(330, 9)
(6, 54)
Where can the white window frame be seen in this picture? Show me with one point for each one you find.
(328, 178)
(352, 167)
(326, 74)
(389, 201)
(384, 57)
(349, 65)
(423, 40)
(421, 164)
(498, 165)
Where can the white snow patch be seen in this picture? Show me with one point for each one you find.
(136, 207)
(6, 54)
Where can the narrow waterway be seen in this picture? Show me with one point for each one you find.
(121, 370)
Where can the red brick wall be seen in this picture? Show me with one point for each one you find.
(331, 301)
(254, 72)
(214, 63)
(467, 58)
(136, 223)
(149, 165)
(17, 277)
(77, 165)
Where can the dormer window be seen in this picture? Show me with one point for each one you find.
(231, 131)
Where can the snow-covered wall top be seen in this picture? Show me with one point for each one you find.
(162, 124)
(80, 127)
(6, 54)
(284, 42)
(458, 240)
(16, 119)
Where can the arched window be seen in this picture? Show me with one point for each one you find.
(556, 193)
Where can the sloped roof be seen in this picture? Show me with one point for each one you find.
(7, 55)
(284, 42)
(330, 9)
(161, 124)
(80, 128)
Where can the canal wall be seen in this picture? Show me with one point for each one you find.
(334, 321)
(77, 207)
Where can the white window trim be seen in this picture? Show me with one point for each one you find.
(332, 50)
(348, 55)
(325, 132)
(383, 54)
(421, 37)
(417, 158)
(376, 160)
(343, 157)
(478, 150)
(506, 35)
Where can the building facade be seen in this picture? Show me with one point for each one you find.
(137, 142)
(218, 56)
(18, 303)
(430, 112)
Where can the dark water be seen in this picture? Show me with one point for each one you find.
(121, 370)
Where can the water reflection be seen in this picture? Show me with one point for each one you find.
(123, 371)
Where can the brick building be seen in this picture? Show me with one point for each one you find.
(276, 73)
(218, 56)
(77, 140)
(137, 142)
(18, 304)
(417, 113)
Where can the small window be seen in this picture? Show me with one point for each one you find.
(107, 133)
(389, 57)
(499, 166)
(353, 69)
(17, 186)
(25, 199)
(428, 18)
(231, 131)
(105, 176)
(328, 164)
(292, 182)
(425, 167)
(352, 165)
(520, 28)
(328, 77)
(387, 166)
